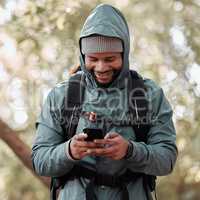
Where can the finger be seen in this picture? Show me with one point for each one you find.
(111, 155)
(85, 144)
(79, 152)
(110, 150)
(112, 135)
(103, 151)
(101, 141)
(96, 151)
(107, 142)
(82, 150)
(115, 139)
(80, 136)
(107, 136)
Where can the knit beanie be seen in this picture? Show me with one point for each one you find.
(100, 44)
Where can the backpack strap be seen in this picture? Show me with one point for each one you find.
(71, 111)
(139, 109)
(73, 103)
(138, 106)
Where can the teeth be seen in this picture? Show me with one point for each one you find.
(102, 75)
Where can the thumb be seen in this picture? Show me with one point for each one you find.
(80, 136)
(111, 135)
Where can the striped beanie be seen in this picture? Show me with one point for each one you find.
(99, 44)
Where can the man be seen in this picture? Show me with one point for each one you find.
(104, 52)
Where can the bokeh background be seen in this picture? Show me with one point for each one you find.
(38, 45)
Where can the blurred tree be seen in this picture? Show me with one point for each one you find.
(38, 43)
(22, 151)
(166, 48)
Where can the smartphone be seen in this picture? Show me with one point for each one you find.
(93, 133)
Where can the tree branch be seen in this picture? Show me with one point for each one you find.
(22, 150)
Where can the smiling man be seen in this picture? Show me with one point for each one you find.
(129, 115)
(104, 66)
(103, 57)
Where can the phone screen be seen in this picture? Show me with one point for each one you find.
(93, 133)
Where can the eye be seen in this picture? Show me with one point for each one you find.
(93, 59)
(110, 59)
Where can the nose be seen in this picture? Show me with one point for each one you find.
(101, 66)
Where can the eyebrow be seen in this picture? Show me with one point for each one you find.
(92, 57)
(110, 57)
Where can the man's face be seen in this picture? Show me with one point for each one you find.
(103, 65)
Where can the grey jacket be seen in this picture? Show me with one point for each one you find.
(50, 152)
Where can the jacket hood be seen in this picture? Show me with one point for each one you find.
(107, 21)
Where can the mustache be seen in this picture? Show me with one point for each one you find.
(104, 72)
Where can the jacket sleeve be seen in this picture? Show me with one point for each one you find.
(50, 155)
(158, 156)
